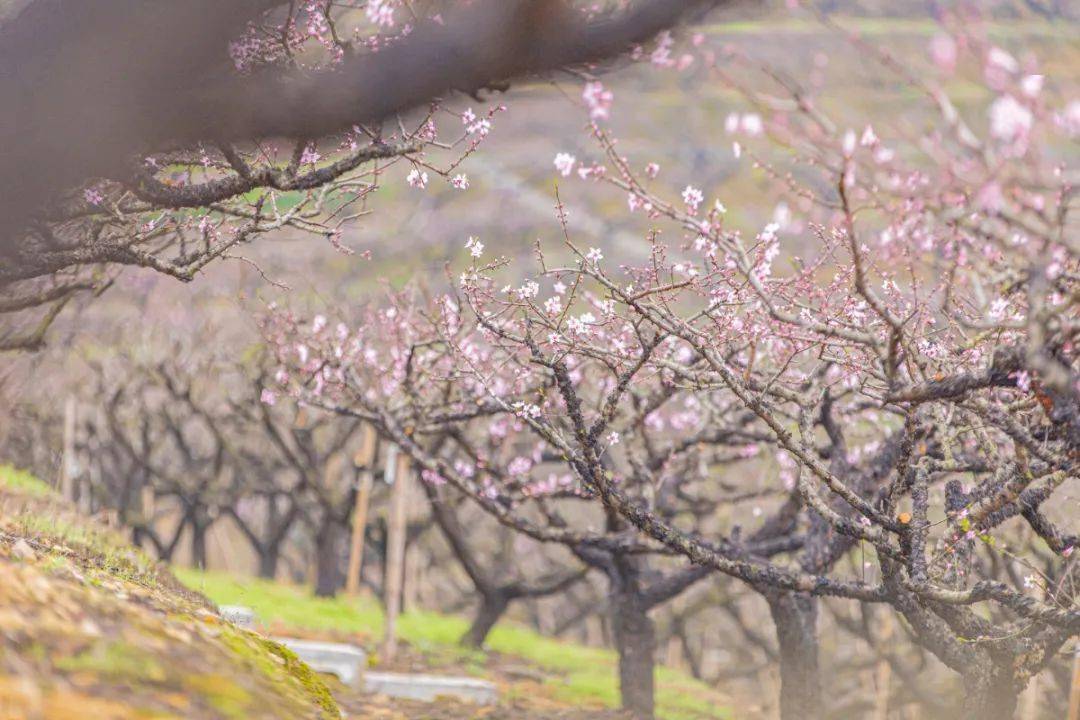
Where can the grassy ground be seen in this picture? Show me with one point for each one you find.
(576, 675)
(883, 27)
(91, 628)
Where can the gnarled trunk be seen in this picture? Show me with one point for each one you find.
(328, 574)
(989, 693)
(268, 562)
(492, 607)
(198, 543)
(795, 618)
(635, 640)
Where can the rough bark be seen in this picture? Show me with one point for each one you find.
(492, 607)
(268, 562)
(989, 693)
(328, 574)
(795, 618)
(62, 124)
(198, 544)
(635, 641)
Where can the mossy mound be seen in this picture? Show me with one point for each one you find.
(91, 628)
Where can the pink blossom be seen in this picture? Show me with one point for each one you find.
(883, 155)
(1023, 381)
(432, 478)
(598, 100)
(991, 198)
(528, 290)
(1032, 85)
(1000, 59)
(380, 12)
(476, 125)
(1069, 119)
(661, 55)
(849, 143)
(752, 125)
(474, 246)
(1009, 120)
(417, 179)
(310, 156)
(693, 198)
(526, 410)
(582, 324)
(943, 51)
(564, 163)
(519, 466)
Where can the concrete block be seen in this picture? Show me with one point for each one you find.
(238, 615)
(430, 687)
(347, 662)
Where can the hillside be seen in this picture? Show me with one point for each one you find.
(539, 677)
(90, 628)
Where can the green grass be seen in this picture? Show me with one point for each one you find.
(107, 552)
(117, 661)
(883, 27)
(579, 675)
(22, 481)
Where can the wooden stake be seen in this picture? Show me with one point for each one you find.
(674, 653)
(364, 463)
(883, 673)
(397, 465)
(1074, 694)
(1029, 700)
(410, 582)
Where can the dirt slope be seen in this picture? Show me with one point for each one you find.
(90, 628)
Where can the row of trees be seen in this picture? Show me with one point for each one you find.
(904, 383)
(210, 465)
(888, 373)
(171, 449)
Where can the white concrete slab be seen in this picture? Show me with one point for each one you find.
(428, 688)
(347, 662)
(238, 615)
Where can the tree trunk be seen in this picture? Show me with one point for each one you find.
(328, 577)
(268, 562)
(635, 641)
(492, 607)
(989, 694)
(795, 618)
(198, 544)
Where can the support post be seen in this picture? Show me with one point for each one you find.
(397, 465)
(364, 463)
(1074, 694)
(883, 672)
